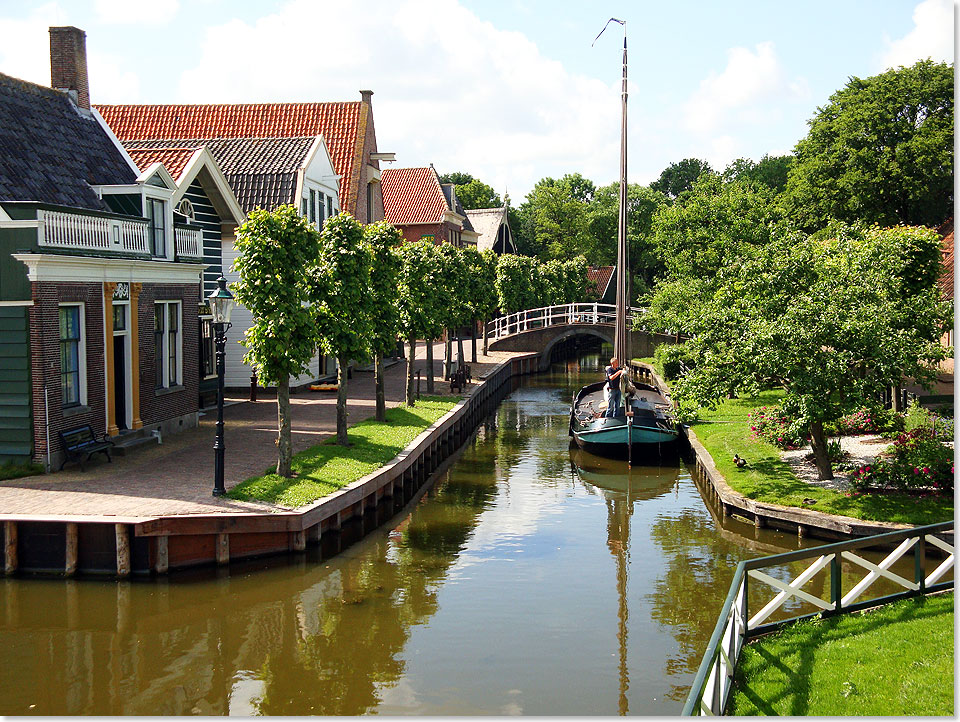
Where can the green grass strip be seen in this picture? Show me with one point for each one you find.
(893, 661)
(12, 470)
(725, 431)
(326, 467)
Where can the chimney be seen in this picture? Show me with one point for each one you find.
(365, 96)
(68, 62)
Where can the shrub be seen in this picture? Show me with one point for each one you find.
(917, 461)
(673, 359)
(773, 425)
(917, 417)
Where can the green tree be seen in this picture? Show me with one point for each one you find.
(832, 322)
(771, 171)
(472, 192)
(515, 283)
(453, 296)
(481, 272)
(417, 300)
(881, 151)
(383, 241)
(344, 306)
(555, 221)
(678, 178)
(277, 254)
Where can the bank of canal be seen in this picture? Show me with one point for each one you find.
(527, 578)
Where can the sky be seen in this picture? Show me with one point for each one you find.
(510, 91)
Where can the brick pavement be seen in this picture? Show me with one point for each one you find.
(177, 476)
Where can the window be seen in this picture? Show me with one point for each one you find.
(329, 206)
(313, 206)
(157, 226)
(303, 207)
(72, 356)
(320, 217)
(167, 343)
(207, 351)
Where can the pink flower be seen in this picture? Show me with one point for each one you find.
(926, 470)
(916, 470)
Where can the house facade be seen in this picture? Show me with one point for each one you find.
(262, 173)
(493, 229)
(99, 281)
(423, 209)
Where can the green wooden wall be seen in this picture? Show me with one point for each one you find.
(16, 419)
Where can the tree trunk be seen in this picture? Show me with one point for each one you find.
(473, 343)
(447, 353)
(410, 359)
(378, 380)
(342, 401)
(459, 350)
(429, 365)
(485, 339)
(284, 443)
(818, 442)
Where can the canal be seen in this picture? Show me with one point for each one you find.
(528, 578)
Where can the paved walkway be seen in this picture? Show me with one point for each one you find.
(177, 476)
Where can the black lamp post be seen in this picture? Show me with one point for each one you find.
(221, 305)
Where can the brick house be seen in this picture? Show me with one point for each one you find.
(98, 281)
(422, 208)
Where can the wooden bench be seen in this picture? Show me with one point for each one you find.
(81, 443)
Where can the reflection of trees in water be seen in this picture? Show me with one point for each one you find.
(342, 669)
(690, 591)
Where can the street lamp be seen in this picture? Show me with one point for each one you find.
(221, 305)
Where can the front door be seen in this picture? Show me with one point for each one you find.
(121, 370)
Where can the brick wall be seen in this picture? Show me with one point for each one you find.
(413, 233)
(45, 362)
(158, 405)
(68, 62)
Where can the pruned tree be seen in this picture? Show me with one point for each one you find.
(277, 256)
(383, 240)
(344, 305)
(416, 300)
(481, 275)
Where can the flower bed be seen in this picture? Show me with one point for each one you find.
(916, 462)
(771, 424)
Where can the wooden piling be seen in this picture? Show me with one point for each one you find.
(123, 550)
(223, 549)
(70, 551)
(10, 547)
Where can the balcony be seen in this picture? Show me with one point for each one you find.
(92, 233)
(188, 242)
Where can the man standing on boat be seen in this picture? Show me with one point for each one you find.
(612, 388)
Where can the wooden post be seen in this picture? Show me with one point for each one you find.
(299, 541)
(10, 547)
(70, 566)
(162, 562)
(123, 550)
(223, 549)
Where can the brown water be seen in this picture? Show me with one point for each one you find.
(528, 579)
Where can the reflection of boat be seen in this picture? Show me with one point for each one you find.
(641, 419)
(616, 480)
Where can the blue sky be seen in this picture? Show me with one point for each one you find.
(508, 91)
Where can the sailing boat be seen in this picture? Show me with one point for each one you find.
(645, 416)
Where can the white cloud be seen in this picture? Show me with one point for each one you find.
(449, 88)
(110, 80)
(746, 92)
(25, 49)
(124, 12)
(931, 36)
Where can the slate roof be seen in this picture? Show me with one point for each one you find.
(946, 278)
(342, 125)
(412, 195)
(454, 204)
(52, 153)
(261, 171)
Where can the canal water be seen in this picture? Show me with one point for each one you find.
(528, 578)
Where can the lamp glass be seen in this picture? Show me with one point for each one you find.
(221, 302)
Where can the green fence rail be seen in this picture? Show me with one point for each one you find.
(738, 623)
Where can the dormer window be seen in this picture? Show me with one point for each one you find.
(156, 212)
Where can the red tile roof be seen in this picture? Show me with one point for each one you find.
(412, 195)
(342, 125)
(173, 159)
(598, 278)
(946, 278)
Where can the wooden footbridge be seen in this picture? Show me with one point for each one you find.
(542, 329)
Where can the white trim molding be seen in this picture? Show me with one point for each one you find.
(94, 269)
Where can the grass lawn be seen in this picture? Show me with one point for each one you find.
(16, 471)
(893, 661)
(726, 431)
(326, 467)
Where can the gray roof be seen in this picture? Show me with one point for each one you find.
(487, 222)
(261, 171)
(454, 204)
(51, 152)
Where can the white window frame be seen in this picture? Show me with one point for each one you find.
(81, 353)
(162, 355)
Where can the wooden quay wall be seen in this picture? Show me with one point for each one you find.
(120, 547)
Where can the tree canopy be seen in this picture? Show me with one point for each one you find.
(678, 178)
(472, 192)
(881, 151)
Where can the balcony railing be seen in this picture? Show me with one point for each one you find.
(188, 242)
(82, 232)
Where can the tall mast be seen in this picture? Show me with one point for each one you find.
(621, 339)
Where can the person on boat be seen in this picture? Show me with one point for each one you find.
(612, 387)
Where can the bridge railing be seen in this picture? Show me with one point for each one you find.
(567, 313)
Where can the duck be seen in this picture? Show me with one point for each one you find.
(739, 462)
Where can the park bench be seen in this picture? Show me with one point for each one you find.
(81, 443)
(460, 378)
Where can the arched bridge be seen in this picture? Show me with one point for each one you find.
(541, 329)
